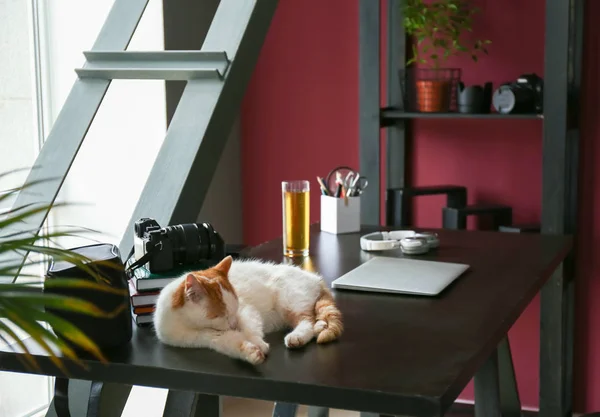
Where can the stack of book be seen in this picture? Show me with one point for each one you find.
(144, 288)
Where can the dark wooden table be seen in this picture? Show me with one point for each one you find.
(399, 355)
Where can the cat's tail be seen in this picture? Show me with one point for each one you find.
(328, 324)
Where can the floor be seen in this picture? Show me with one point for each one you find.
(150, 402)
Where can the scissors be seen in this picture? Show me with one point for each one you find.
(346, 178)
(336, 179)
(356, 184)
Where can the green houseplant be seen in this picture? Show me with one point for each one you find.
(438, 29)
(23, 304)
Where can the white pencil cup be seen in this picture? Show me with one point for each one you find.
(339, 215)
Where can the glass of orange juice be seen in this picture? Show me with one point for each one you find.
(295, 196)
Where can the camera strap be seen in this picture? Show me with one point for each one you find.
(139, 262)
(144, 259)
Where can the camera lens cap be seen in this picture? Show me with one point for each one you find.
(504, 99)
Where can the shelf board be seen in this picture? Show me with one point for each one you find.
(390, 114)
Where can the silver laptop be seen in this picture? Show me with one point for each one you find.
(401, 276)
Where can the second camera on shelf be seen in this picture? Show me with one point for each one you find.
(525, 95)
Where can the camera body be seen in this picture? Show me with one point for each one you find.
(174, 246)
(523, 96)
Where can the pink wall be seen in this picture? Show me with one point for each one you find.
(300, 119)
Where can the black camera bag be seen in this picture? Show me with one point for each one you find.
(105, 260)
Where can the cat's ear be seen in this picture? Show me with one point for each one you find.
(224, 265)
(194, 291)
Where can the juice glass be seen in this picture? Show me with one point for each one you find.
(295, 196)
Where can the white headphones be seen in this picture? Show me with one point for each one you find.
(409, 241)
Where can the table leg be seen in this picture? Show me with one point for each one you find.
(318, 411)
(510, 402)
(60, 403)
(285, 410)
(191, 404)
(496, 393)
(84, 398)
(487, 389)
(557, 324)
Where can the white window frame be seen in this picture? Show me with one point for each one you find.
(42, 114)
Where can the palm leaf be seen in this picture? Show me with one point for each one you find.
(82, 262)
(69, 332)
(69, 283)
(34, 330)
(30, 360)
(24, 187)
(60, 302)
(24, 304)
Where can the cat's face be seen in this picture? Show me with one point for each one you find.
(208, 299)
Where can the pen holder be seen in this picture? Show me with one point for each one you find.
(339, 215)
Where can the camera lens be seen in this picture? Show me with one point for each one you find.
(190, 243)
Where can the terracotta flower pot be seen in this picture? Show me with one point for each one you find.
(433, 95)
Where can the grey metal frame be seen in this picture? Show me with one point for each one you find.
(396, 144)
(160, 65)
(216, 78)
(369, 108)
(560, 170)
(369, 129)
(562, 73)
(73, 121)
(201, 123)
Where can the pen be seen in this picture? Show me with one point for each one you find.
(338, 191)
(324, 189)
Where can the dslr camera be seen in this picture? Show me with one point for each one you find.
(523, 96)
(167, 248)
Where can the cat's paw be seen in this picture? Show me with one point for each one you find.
(319, 327)
(295, 340)
(252, 353)
(262, 345)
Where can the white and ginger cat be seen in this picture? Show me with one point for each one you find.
(230, 307)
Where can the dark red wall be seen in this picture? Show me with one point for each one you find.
(299, 119)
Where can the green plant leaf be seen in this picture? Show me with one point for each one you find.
(27, 319)
(442, 23)
(74, 258)
(25, 213)
(61, 302)
(35, 331)
(30, 360)
(41, 331)
(24, 304)
(83, 284)
(22, 189)
(70, 332)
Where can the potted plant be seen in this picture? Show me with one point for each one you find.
(26, 306)
(438, 29)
